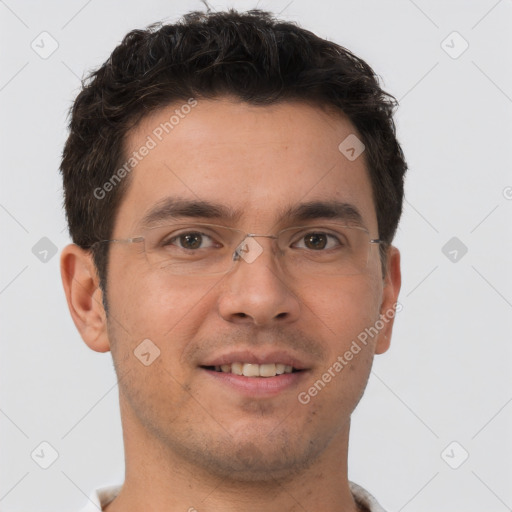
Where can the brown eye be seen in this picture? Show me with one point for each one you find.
(315, 241)
(318, 241)
(191, 240)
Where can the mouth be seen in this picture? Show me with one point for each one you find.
(265, 370)
(264, 374)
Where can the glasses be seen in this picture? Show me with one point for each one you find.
(209, 249)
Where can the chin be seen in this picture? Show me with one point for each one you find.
(258, 459)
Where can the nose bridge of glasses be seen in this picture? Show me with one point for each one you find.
(249, 249)
(255, 235)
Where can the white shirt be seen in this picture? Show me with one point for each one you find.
(102, 497)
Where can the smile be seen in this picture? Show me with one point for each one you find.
(254, 370)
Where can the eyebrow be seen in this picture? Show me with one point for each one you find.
(332, 210)
(171, 208)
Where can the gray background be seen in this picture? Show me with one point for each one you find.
(447, 375)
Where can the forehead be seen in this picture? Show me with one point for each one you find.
(258, 161)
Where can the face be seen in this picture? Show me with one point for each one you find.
(259, 166)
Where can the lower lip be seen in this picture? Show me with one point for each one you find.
(258, 386)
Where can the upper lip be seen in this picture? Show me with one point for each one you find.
(260, 357)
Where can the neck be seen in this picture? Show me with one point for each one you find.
(158, 479)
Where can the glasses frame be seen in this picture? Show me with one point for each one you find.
(236, 256)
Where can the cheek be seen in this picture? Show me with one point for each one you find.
(343, 315)
(165, 309)
(344, 307)
(149, 307)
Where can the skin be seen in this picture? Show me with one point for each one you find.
(190, 441)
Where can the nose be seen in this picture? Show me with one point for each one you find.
(256, 291)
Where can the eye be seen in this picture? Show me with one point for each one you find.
(192, 240)
(318, 241)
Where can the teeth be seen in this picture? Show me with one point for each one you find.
(255, 370)
(236, 368)
(267, 370)
(251, 370)
(279, 368)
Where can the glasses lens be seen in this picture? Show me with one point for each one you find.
(194, 249)
(331, 249)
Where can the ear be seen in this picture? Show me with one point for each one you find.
(389, 306)
(84, 296)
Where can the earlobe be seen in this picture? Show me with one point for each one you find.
(84, 296)
(388, 311)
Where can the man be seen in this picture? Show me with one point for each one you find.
(233, 184)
